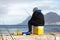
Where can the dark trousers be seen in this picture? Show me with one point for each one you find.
(30, 26)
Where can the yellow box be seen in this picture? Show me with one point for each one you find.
(39, 30)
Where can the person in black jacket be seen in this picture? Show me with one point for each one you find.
(37, 19)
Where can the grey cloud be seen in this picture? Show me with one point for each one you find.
(14, 1)
(46, 8)
(5, 3)
(3, 11)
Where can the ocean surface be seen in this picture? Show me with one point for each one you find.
(6, 29)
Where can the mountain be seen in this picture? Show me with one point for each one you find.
(50, 18)
(25, 22)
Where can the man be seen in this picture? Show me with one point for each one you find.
(37, 19)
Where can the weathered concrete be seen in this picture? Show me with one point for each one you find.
(50, 36)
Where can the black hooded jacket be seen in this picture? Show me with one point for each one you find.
(37, 19)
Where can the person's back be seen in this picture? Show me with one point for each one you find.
(38, 18)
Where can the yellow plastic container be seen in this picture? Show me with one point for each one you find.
(19, 33)
(39, 30)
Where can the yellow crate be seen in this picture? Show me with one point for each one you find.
(39, 30)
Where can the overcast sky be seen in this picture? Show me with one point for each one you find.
(15, 11)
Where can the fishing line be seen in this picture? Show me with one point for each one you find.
(27, 12)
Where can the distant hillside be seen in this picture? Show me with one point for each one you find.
(50, 17)
(25, 22)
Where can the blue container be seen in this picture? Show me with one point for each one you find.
(27, 33)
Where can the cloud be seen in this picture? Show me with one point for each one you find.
(3, 11)
(15, 11)
(15, 1)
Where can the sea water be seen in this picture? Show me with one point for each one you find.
(6, 29)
